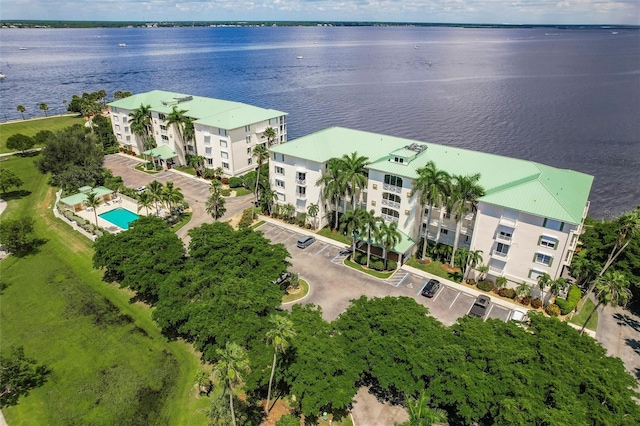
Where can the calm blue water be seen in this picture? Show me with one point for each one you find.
(120, 217)
(568, 98)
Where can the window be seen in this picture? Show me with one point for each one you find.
(207, 150)
(398, 160)
(279, 183)
(223, 143)
(301, 190)
(273, 122)
(207, 139)
(547, 241)
(301, 176)
(248, 139)
(124, 119)
(119, 136)
(391, 197)
(162, 117)
(210, 161)
(553, 224)
(247, 128)
(126, 129)
(281, 196)
(279, 170)
(274, 155)
(249, 161)
(542, 258)
(114, 109)
(534, 274)
(222, 132)
(163, 127)
(128, 138)
(390, 214)
(165, 138)
(392, 180)
(117, 127)
(505, 235)
(444, 231)
(224, 154)
(502, 248)
(115, 117)
(249, 151)
(225, 165)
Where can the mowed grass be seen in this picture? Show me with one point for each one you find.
(583, 313)
(109, 362)
(434, 268)
(32, 126)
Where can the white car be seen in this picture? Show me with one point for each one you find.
(519, 315)
(141, 188)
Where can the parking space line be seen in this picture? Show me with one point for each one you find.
(321, 250)
(454, 300)
(436, 296)
(402, 280)
(488, 313)
(422, 288)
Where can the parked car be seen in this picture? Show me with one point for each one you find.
(141, 188)
(306, 241)
(479, 308)
(519, 315)
(430, 288)
(283, 278)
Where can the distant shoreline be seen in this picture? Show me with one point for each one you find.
(17, 24)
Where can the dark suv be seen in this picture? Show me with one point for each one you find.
(431, 288)
(479, 308)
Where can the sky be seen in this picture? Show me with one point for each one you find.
(625, 12)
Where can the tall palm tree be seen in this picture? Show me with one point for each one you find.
(261, 154)
(270, 135)
(582, 269)
(420, 414)
(43, 107)
(140, 123)
(196, 161)
(313, 210)
(389, 236)
(215, 205)
(612, 289)
(145, 200)
(189, 132)
(233, 362)
(354, 175)
(332, 185)
(544, 281)
(350, 224)
(432, 186)
(369, 223)
(474, 258)
(279, 335)
(21, 109)
(557, 285)
(465, 192)
(93, 201)
(269, 197)
(177, 119)
(288, 210)
(156, 189)
(172, 194)
(482, 269)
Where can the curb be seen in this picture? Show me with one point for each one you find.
(302, 298)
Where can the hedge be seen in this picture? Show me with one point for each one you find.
(507, 292)
(485, 285)
(552, 310)
(569, 304)
(235, 182)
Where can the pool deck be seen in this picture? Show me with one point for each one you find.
(108, 206)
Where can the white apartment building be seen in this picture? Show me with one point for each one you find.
(225, 132)
(526, 224)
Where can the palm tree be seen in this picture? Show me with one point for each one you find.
(261, 154)
(288, 210)
(544, 281)
(215, 205)
(189, 132)
(172, 195)
(483, 269)
(523, 289)
(156, 189)
(612, 289)
(461, 260)
(270, 135)
(389, 236)
(464, 194)
(350, 224)
(279, 336)
(145, 200)
(313, 210)
(93, 201)
(232, 363)
(21, 109)
(369, 223)
(269, 197)
(215, 187)
(354, 175)
(177, 119)
(102, 96)
(557, 285)
(196, 161)
(332, 185)
(218, 172)
(420, 414)
(431, 185)
(474, 258)
(43, 107)
(582, 269)
(140, 123)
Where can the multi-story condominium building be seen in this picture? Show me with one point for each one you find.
(526, 224)
(225, 132)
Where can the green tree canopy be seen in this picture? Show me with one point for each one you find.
(20, 142)
(18, 375)
(17, 236)
(8, 179)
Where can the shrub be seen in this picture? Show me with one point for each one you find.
(246, 219)
(288, 420)
(391, 265)
(552, 310)
(501, 282)
(225, 181)
(235, 182)
(377, 265)
(569, 304)
(225, 192)
(485, 285)
(471, 281)
(208, 173)
(98, 233)
(507, 292)
(536, 303)
(525, 300)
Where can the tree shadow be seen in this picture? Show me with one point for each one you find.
(3, 287)
(15, 195)
(455, 276)
(624, 319)
(634, 344)
(31, 249)
(637, 373)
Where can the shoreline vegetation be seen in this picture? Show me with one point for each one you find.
(17, 23)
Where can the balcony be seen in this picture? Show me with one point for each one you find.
(302, 182)
(301, 196)
(392, 188)
(389, 218)
(469, 216)
(496, 270)
(504, 238)
(499, 255)
(507, 221)
(390, 203)
(465, 231)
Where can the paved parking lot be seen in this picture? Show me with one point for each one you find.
(333, 285)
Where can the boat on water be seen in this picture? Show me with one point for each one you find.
(2, 76)
(416, 46)
(614, 32)
(122, 45)
(299, 57)
(23, 48)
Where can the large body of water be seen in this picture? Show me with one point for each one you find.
(567, 98)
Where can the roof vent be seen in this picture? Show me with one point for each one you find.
(416, 147)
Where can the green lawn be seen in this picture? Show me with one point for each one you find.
(288, 298)
(186, 217)
(33, 126)
(435, 268)
(187, 169)
(338, 236)
(110, 364)
(583, 313)
(242, 191)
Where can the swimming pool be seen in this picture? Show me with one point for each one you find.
(120, 217)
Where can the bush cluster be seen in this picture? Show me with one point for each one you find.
(552, 310)
(225, 192)
(225, 181)
(375, 262)
(235, 182)
(525, 300)
(507, 292)
(485, 285)
(246, 219)
(536, 303)
(569, 304)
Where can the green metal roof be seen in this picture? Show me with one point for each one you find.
(162, 152)
(206, 111)
(81, 197)
(510, 182)
(404, 244)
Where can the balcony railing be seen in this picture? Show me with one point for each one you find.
(301, 196)
(389, 218)
(505, 238)
(496, 270)
(507, 221)
(301, 182)
(390, 203)
(469, 216)
(500, 255)
(392, 188)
